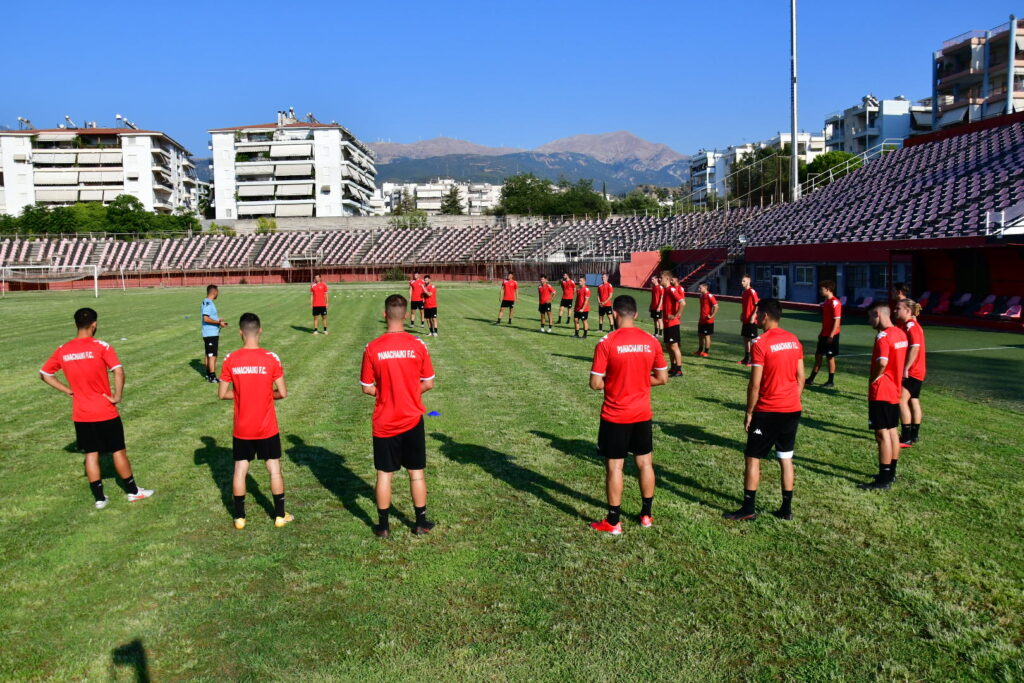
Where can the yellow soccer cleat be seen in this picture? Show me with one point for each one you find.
(240, 523)
(281, 521)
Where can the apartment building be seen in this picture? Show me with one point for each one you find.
(978, 75)
(705, 182)
(291, 168)
(867, 125)
(475, 198)
(63, 166)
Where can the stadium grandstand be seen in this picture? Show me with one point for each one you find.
(943, 213)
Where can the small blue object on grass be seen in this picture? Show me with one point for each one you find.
(433, 413)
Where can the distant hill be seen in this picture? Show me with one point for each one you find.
(435, 147)
(203, 170)
(621, 147)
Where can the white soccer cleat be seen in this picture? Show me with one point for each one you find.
(100, 504)
(142, 494)
(315, 332)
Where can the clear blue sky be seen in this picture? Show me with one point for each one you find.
(689, 74)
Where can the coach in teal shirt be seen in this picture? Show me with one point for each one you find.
(211, 324)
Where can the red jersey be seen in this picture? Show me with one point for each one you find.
(671, 303)
(319, 291)
(657, 291)
(707, 302)
(604, 294)
(626, 358)
(85, 363)
(748, 304)
(891, 344)
(429, 296)
(582, 299)
(252, 373)
(396, 363)
(415, 290)
(568, 289)
(509, 289)
(831, 310)
(545, 292)
(915, 337)
(779, 354)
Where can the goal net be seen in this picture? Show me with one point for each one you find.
(43, 274)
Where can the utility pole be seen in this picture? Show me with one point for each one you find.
(794, 165)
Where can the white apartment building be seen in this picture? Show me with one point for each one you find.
(705, 182)
(475, 198)
(809, 146)
(867, 125)
(291, 168)
(63, 166)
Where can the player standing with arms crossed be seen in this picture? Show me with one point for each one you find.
(828, 340)
(211, 325)
(565, 307)
(885, 385)
(318, 302)
(253, 379)
(397, 372)
(657, 291)
(748, 317)
(773, 407)
(706, 324)
(627, 363)
(673, 303)
(85, 361)
(544, 294)
(430, 305)
(416, 298)
(604, 303)
(581, 309)
(913, 373)
(509, 293)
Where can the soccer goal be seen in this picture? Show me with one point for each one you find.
(42, 274)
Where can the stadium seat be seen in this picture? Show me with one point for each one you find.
(868, 300)
(1012, 313)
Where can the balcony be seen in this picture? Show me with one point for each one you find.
(870, 131)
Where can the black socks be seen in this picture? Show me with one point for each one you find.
(129, 485)
(831, 377)
(97, 490)
(787, 503)
(748, 501)
(278, 505)
(613, 514)
(239, 507)
(885, 472)
(645, 507)
(383, 518)
(421, 514)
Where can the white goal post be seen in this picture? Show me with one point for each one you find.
(48, 273)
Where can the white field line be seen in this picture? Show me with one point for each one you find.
(931, 351)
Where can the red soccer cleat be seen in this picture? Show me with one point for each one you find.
(646, 521)
(604, 526)
(703, 354)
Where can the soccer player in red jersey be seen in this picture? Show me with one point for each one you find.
(397, 372)
(416, 297)
(544, 294)
(673, 303)
(886, 380)
(581, 309)
(568, 296)
(430, 305)
(913, 373)
(657, 291)
(828, 340)
(773, 407)
(253, 379)
(509, 295)
(85, 361)
(318, 302)
(900, 291)
(748, 319)
(706, 323)
(604, 303)
(627, 363)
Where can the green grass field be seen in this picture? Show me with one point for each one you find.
(925, 582)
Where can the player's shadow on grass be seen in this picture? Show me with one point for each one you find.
(330, 470)
(696, 435)
(221, 462)
(670, 481)
(107, 469)
(817, 466)
(302, 328)
(571, 357)
(805, 421)
(503, 467)
(131, 655)
(199, 366)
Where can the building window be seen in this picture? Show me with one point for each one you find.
(228, 212)
(879, 277)
(803, 275)
(763, 274)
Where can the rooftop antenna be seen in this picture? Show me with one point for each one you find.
(24, 123)
(126, 122)
(71, 124)
(311, 118)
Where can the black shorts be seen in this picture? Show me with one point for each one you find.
(913, 385)
(749, 331)
(581, 315)
(671, 334)
(417, 305)
(408, 450)
(826, 347)
(604, 310)
(566, 303)
(883, 415)
(544, 308)
(508, 303)
(655, 315)
(319, 310)
(210, 345)
(430, 312)
(106, 436)
(706, 329)
(772, 430)
(615, 441)
(264, 449)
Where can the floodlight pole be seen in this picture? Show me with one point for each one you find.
(794, 165)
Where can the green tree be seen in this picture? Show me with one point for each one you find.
(762, 177)
(525, 194)
(832, 166)
(578, 198)
(266, 226)
(90, 217)
(451, 204)
(637, 202)
(127, 214)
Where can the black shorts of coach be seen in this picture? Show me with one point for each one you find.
(604, 310)
(749, 331)
(705, 329)
(581, 315)
(210, 345)
(772, 431)
(913, 386)
(616, 440)
(430, 313)
(655, 315)
(319, 310)
(408, 450)
(105, 436)
(544, 308)
(508, 303)
(827, 347)
(417, 305)
(566, 303)
(262, 449)
(671, 334)
(883, 415)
